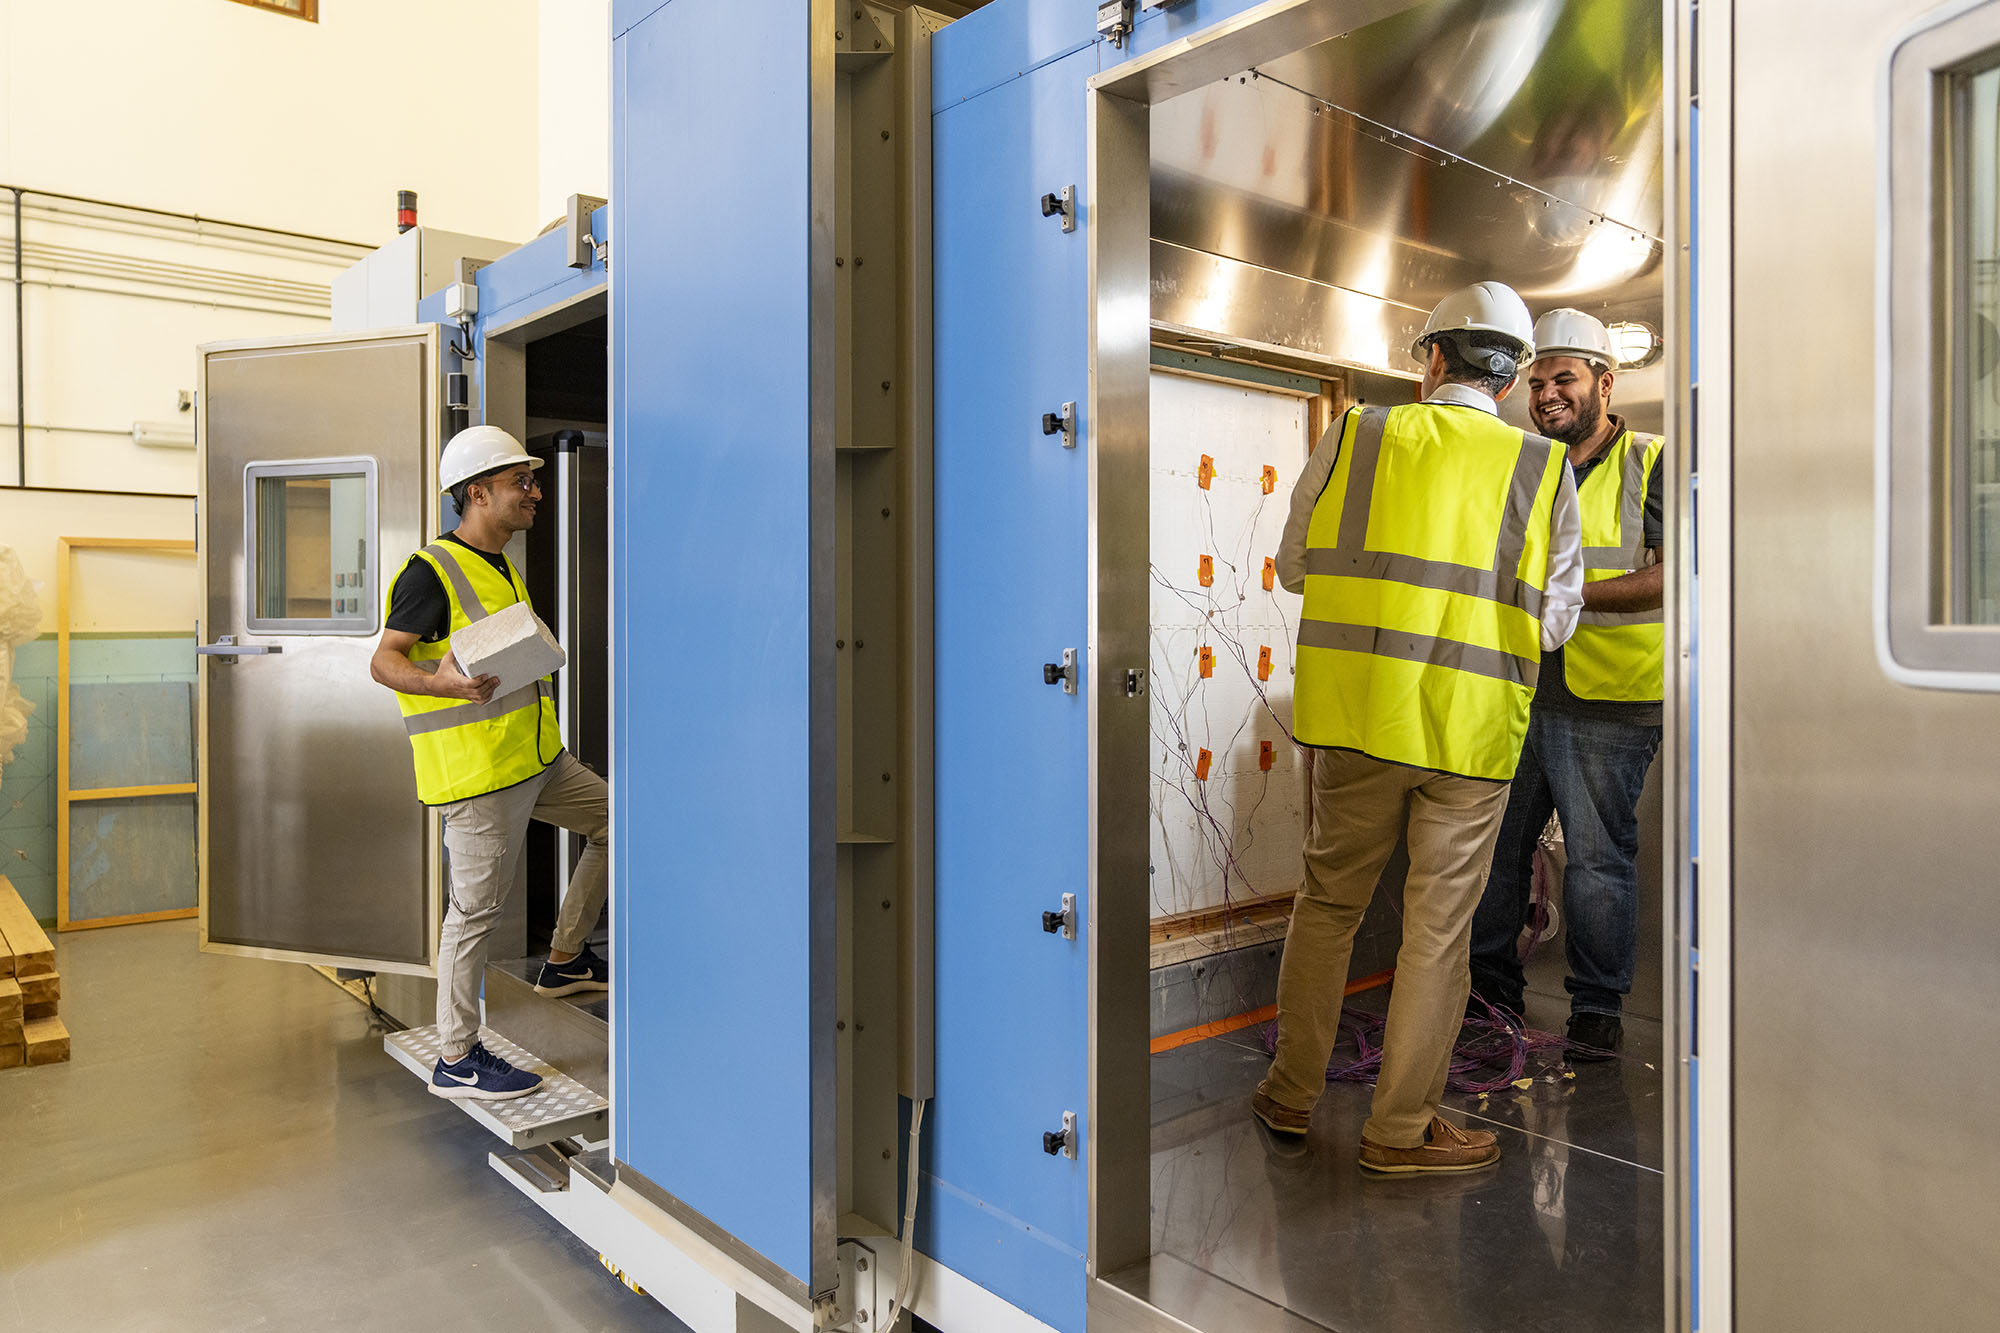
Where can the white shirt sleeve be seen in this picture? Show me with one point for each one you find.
(1562, 595)
(1305, 496)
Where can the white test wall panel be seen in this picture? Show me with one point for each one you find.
(1241, 828)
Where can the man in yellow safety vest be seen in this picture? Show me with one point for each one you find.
(1437, 548)
(490, 765)
(1596, 726)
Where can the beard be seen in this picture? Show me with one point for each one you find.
(1583, 423)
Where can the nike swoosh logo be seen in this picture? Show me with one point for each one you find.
(461, 1078)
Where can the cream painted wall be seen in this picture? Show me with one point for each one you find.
(218, 109)
(130, 592)
(211, 107)
(574, 54)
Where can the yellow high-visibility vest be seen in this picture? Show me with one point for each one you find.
(1617, 655)
(462, 748)
(1426, 562)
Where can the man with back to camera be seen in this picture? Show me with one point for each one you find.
(1596, 724)
(1437, 548)
(490, 765)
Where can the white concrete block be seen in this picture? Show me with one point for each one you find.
(512, 644)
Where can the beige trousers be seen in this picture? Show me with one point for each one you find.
(1361, 807)
(484, 836)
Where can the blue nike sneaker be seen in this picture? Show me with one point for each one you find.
(482, 1076)
(584, 972)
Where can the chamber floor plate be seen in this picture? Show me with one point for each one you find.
(561, 1109)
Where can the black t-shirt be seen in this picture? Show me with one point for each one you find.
(418, 604)
(1553, 691)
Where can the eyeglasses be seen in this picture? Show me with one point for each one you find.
(525, 480)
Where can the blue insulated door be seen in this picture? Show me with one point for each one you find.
(1012, 750)
(721, 490)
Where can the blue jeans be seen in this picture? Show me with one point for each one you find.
(1590, 773)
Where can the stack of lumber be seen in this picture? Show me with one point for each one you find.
(30, 1032)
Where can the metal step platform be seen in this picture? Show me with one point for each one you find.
(562, 1108)
(571, 1032)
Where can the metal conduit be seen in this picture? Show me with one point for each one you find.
(237, 290)
(20, 356)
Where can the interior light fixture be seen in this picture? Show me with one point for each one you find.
(1637, 343)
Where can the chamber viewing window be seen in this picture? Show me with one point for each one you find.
(1938, 423)
(1972, 462)
(311, 546)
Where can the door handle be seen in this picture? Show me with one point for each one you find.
(225, 650)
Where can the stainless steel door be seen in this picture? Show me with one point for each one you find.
(317, 459)
(1864, 920)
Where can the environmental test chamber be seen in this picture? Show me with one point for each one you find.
(879, 315)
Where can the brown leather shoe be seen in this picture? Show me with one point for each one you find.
(1277, 1117)
(1446, 1147)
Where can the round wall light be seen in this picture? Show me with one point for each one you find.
(1636, 343)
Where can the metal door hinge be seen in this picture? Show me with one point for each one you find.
(1063, 204)
(1063, 673)
(1062, 923)
(1114, 20)
(1135, 682)
(1062, 1142)
(1062, 423)
(852, 1304)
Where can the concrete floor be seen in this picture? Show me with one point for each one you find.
(229, 1148)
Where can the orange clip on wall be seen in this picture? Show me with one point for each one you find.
(1206, 473)
(1263, 661)
(1207, 574)
(1266, 756)
(1201, 766)
(1207, 661)
(1270, 479)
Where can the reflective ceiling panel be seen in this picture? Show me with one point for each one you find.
(1321, 204)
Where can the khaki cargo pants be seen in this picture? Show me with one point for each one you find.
(484, 835)
(1361, 807)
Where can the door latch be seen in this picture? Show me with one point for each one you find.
(1061, 1142)
(1063, 205)
(1135, 682)
(1063, 673)
(1114, 20)
(1062, 423)
(1062, 923)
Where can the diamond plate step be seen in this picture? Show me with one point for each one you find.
(561, 1108)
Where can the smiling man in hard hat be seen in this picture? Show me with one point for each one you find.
(490, 765)
(1596, 726)
(1438, 551)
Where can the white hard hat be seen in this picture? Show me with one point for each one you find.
(1489, 307)
(1566, 332)
(477, 450)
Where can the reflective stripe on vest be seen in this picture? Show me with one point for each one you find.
(1617, 656)
(462, 748)
(1426, 566)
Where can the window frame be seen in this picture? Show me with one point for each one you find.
(369, 621)
(1922, 420)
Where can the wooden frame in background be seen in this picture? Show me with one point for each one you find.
(298, 9)
(65, 546)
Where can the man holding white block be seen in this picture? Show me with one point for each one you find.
(470, 664)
